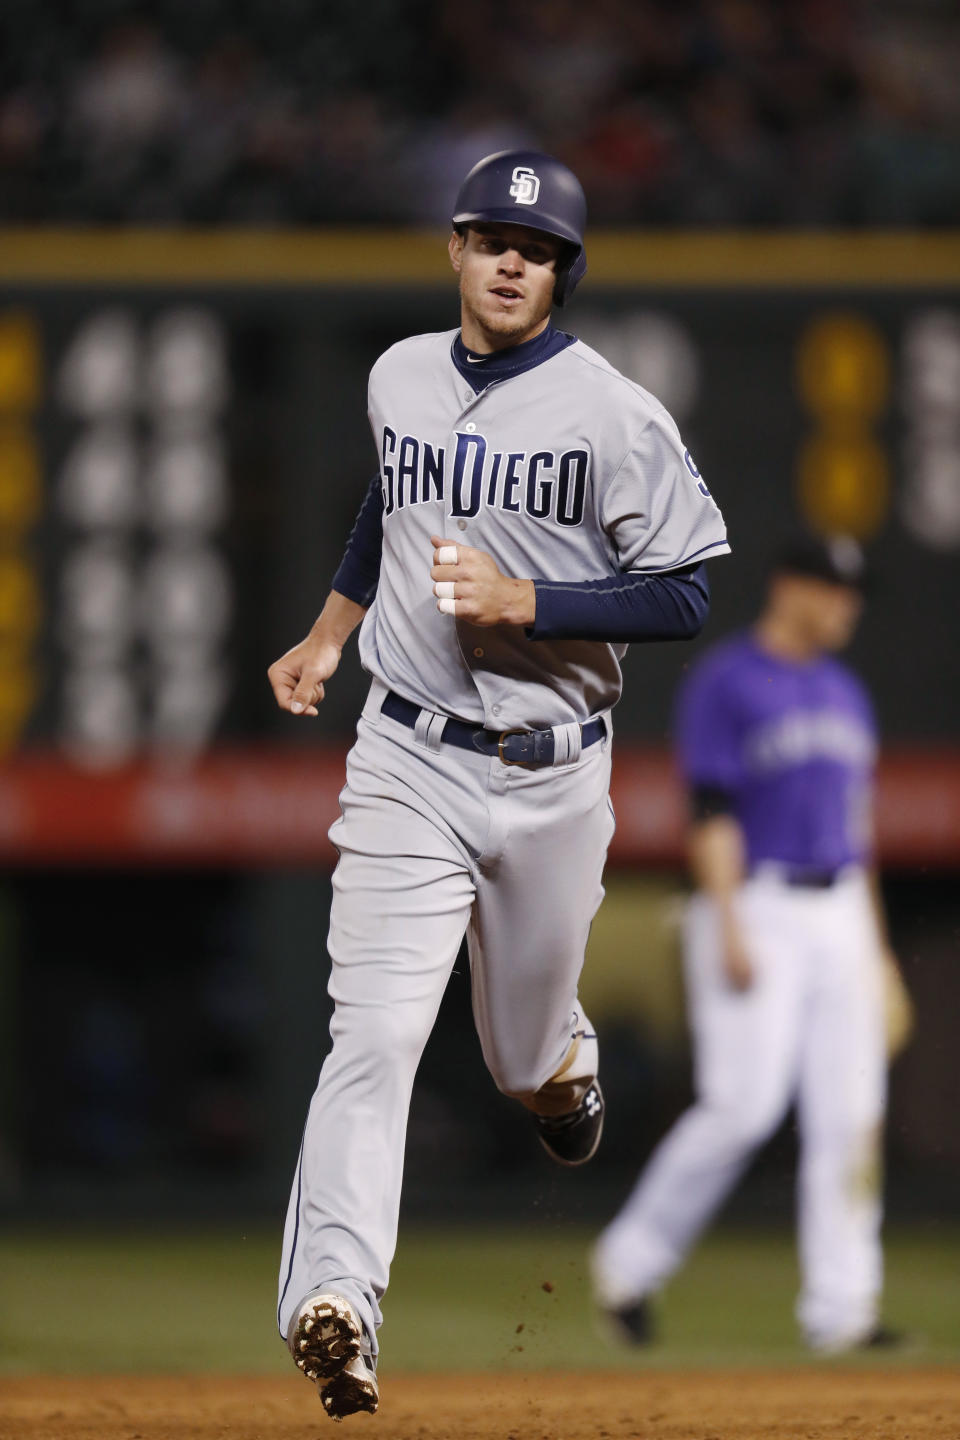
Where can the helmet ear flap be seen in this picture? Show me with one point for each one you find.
(570, 272)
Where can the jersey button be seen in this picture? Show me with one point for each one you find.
(495, 710)
(471, 426)
(478, 653)
(461, 524)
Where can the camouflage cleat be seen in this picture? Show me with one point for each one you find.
(325, 1340)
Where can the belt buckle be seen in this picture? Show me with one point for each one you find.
(522, 764)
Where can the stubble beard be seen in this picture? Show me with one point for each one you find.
(505, 327)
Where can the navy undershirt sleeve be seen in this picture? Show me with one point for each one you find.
(623, 608)
(359, 572)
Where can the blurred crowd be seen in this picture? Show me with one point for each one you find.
(674, 112)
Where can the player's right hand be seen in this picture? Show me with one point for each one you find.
(297, 677)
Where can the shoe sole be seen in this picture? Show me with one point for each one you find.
(325, 1345)
(582, 1160)
(905, 1344)
(351, 1392)
(326, 1337)
(610, 1327)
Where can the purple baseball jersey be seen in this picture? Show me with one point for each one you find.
(794, 745)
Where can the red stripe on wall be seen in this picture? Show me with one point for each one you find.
(256, 808)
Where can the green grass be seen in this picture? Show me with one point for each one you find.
(84, 1303)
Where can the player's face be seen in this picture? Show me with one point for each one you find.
(507, 274)
(826, 612)
(838, 611)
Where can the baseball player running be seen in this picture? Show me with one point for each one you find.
(783, 947)
(533, 512)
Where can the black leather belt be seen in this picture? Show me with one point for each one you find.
(811, 879)
(532, 748)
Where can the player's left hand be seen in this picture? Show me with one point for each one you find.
(899, 1017)
(474, 589)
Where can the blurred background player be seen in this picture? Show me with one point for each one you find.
(785, 951)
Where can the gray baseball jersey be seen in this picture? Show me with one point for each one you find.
(566, 472)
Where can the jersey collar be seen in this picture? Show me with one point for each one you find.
(483, 370)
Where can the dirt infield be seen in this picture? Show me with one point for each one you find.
(739, 1405)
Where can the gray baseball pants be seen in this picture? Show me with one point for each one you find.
(436, 842)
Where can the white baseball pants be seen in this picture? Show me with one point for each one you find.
(434, 842)
(810, 1031)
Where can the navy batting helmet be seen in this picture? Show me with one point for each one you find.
(526, 187)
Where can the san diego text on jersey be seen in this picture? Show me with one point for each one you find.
(542, 484)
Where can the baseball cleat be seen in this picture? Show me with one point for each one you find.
(631, 1323)
(572, 1139)
(325, 1340)
(879, 1337)
(354, 1390)
(884, 1337)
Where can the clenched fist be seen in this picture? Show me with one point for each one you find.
(468, 584)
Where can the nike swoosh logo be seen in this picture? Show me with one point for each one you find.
(477, 359)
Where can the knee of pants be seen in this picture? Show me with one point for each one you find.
(745, 1127)
(856, 1150)
(381, 1038)
(838, 1132)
